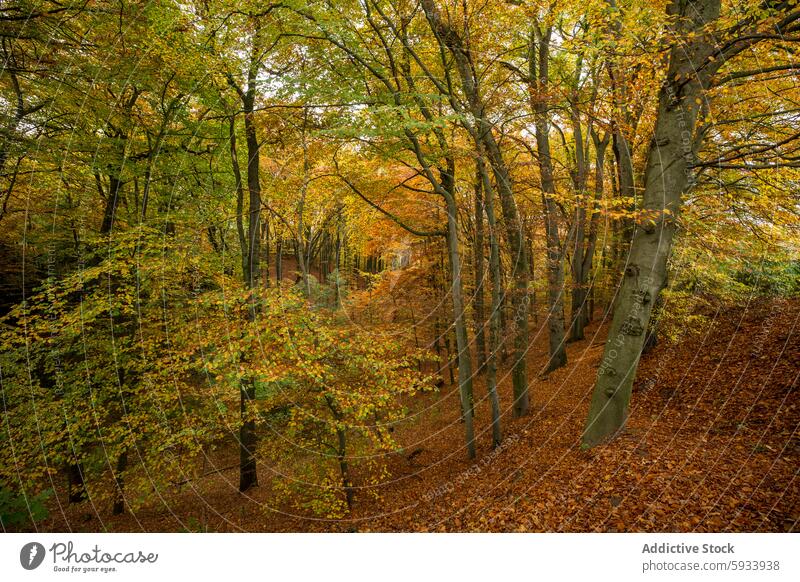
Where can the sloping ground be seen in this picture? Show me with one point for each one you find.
(712, 445)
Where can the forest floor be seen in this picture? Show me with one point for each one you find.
(712, 444)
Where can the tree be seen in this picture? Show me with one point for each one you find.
(482, 132)
(670, 173)
(435, 160)
(539, 63)
(246, 89)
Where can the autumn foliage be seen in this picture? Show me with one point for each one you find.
(399, 265)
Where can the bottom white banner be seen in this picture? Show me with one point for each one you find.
(401, 557)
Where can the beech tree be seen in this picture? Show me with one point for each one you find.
(298, 241)
(669, 174)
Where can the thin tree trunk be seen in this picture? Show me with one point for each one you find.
(482, 131)
(300, 244)
(494, 317)
(587, 306)
(344, 469)
(478, 303)
(539, 72)
(112, 203)
(266, 252)
(614, 252)
(76, 486)
(578, 296)
(119, 479)
(462, 340)
(279, 260)
(254, 189)
(337, 261)
(237, 175)
(248, 473)
(520, 301)
(532, 260)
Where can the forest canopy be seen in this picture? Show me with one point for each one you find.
(267, 239)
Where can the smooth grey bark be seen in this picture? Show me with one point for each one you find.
(580, 174)
(462, 340)
(626, 191)
(482, 131)
(600, 146)
(539, 63)
(443, 185)
(478, 306)
(576, 266)
(668, 175)
(624, 122)
(520, 301)
(586, 242)
(494, 317)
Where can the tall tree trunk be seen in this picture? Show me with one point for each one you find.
(600, 146)
(237, 175)
(300, 244)
(119, 480)
(254, 189)
(338, 259)
(266, 251)
(279, 260)
(520, 301)
(112, 203)
(627, 193)
(480, 272)
(539, 62)
(623, 122)
(462, 340)
(344, 469)
(580, 177)
(341, 452)
(482, 132)
(76, 486)
(532, 262)
(615, 244)
(667, 177)
(494, 317)
(248, 473)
